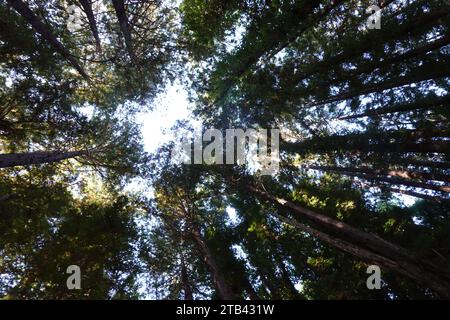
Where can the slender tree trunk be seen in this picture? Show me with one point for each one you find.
(250, 291)
(224, 290)
(420, 195)
(424, 163)
(188, 295)
(400, 32)
(24, 10)
(22, 159)
(387, 172)
(121, 14)
(374, 177)
(387, 62)
(432, 70)
(287, 279)
(405, 141)
(427, 103)
(272, 290)
(400, 259)
(87, 7)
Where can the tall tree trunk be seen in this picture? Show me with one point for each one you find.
(405, 141)
(24, 10)
(87, 7)
(420, 104)
(388, 172)
(250, 290)
(386, 63)
(121, 14)
(361, 173)
(366, 45)
(410, 270)
(424, 163)
(287, 279)
(401, 260)
(224, 290)
(38, 157)
(188, 295)
(431, 70)
(419, 195)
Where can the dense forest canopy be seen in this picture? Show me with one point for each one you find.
(363, 119)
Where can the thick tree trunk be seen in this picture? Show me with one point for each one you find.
(24, 10)
(23, 159)
(410, 270)
(121, 14)
(382, 250)
(87, 7)
(224, 290)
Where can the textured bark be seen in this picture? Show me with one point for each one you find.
(87, 7)
(357, 240)
(39, 157)
(121, 14)
(24, 10)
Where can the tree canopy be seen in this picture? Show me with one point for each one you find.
(364, 171)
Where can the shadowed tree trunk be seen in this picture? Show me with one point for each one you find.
(287, 279)
(223, 289)
(427, 103)
(374, 176)
(24, 10)
(188, 295)
(121, 14)
(366, 245)
(387, 172)
(424, 163)
(39, 157)
(380, 142)
(428, 71)
(419, 195)
(407, 269)
(400, 32)
(87, 7)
